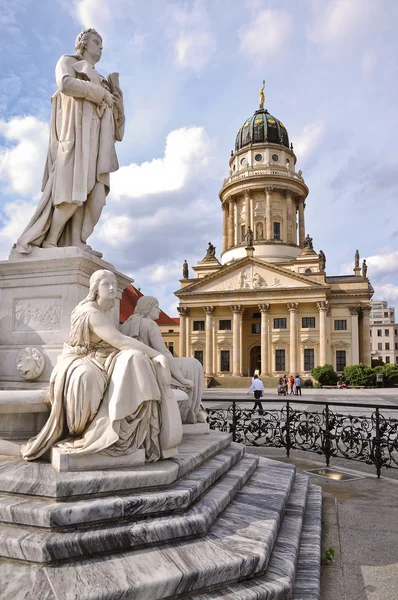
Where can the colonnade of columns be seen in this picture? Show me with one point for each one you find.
(290, 232)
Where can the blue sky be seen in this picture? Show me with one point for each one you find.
(190, 71)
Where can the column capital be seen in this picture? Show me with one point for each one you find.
(292, 306)
(354, 310)
(264, 308)
(366, 308)
(246, 193)
(323, 305)
(183, 311)
(269, 189)
(236, 308)
(208, 309)
(224, 206)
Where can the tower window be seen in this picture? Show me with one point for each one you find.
(242, 232)
(243, 160)
(275, 157)
(277, 231)
(258, 157)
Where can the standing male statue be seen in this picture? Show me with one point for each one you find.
(87, 118)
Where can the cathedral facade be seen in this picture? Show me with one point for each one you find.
(268, 304)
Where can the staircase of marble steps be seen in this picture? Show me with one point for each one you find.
(228, 381)
(213, 522)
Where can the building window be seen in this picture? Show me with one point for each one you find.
(171, 348)
(387, 346)
(387, 332)
(309, 359)
(380, 346)
(242, 232)
(386, 315)
(379, 333)
(279, 323)
(198, 325)
(396, 345)
(277, 231)
(224, 325)
(256, 327)
(340, 360)
(256, 315)
(225, 360)
(370, 333)
(396, 331)
(308, 322)
(340, 324)
(171, 330)
(387, 358)
(280, 363)
(198, 354)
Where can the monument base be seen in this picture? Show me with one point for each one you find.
(62, 460)
(38, 293)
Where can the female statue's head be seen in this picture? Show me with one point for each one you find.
(148, 306)
(102, 283)
(88, 45)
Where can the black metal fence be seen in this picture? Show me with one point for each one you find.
(371, 438)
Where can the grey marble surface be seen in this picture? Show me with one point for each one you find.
(38, 478)
(249, 553)
(18, 509)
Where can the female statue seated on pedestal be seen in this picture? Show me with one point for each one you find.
(107, 390)
(186, 373)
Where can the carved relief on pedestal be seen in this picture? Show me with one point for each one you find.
(37, 314)
(31, 363)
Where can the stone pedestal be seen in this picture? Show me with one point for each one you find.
(61, 460)
(37, 295)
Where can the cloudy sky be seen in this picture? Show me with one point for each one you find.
(190, 71)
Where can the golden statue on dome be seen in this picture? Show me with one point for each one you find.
(262, 97)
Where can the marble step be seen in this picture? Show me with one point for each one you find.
(38, 478)
(41, 546)
(241, 545)
(22, 510)
(308, 573)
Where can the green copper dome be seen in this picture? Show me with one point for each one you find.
(260, 128)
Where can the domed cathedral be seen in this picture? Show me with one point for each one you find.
(268, 305)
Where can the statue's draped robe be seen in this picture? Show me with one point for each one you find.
(81, 154)
(146, 331)
(108, 400)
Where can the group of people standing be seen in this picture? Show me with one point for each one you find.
(257, 387)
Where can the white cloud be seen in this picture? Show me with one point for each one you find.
(186, 153)
(308, 140)
(381, 265)
(337, 22)
(93, 13)
(15, 217)
(265, 35)
(388, 292)
(193, 41)
(22, 159)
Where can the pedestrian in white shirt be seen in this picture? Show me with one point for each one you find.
(258, 389)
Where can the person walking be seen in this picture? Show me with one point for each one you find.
(297, 384)
(257, 388)
(291, 383)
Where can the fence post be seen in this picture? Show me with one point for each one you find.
(327, 436)
(377, 444)
(288, 445)
(233, 427)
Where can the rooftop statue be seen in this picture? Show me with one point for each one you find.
(211, 251)
(186, 373)
(87, 118)
(185, 269)
(308, 243)
(357, 259)
(109, 392)
(262, 97)
(322, 260)
(249, 237)
(364, 268)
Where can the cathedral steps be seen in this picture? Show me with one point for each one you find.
(251, 530)
(228, 381)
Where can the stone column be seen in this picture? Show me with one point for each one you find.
(183, 312)
(323, 309)
(236, 224)
(264, 309)
(268, 214)
(366, 358)
(293, 308)
(247, 210)
(289, 201)
(354, 311)
(251, 213)
(301, 223)
(209, 310)
(224, 226)
(231, 211)
(236, 339)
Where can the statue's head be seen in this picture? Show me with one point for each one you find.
(103, 279)
(147, 306)
(89, 41)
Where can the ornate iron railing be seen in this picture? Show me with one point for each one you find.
(370, 438)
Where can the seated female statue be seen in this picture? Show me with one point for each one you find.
(186, 373)
(106, 389)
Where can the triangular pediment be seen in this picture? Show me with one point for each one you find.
(250, 275)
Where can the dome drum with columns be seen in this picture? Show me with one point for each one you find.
(268, 304)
